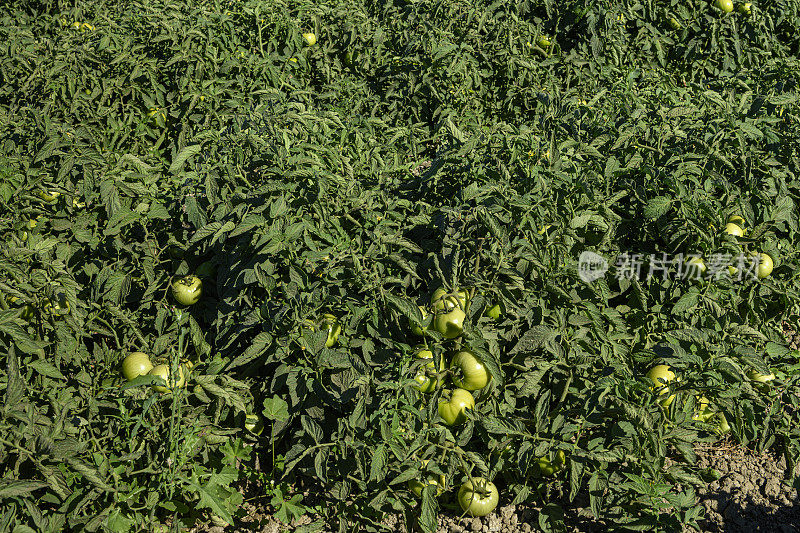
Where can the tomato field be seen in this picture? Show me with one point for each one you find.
(375, 265)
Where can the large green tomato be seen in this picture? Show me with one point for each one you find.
(454, 411)
(765, 265)
(450, 324)
(469, 372)
(175, 381)
(479, 499)
(736, 219)
(416, 486)
(734, 229)
(546, 467)
(310, 38)
(333, 327)
(697, 267)
(441, 302)
(724, 5)
(427, 378)
(659, 374)
(136, 364)
(187, 290)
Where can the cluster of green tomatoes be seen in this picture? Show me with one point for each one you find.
(662, 375)
(468, 373)
(186, 291)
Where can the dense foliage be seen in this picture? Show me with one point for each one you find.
(412, 146)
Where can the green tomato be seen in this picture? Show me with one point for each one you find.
(136, 364)
(187, 290)
(702, 412)
(765, 265)
(479, 499)
(658, 375)
(450, 324)
(493, 312)
(469, 372)
(724, 5)
(253, 423)
(454, 411)
(48, 197)
(697, 266)
(443, 303)
(416, 486)
(417, 329)
(745, 9)
(734, 229)
(60, 305)
(722, 424)
(334, 329)
(175, 381)
(427, 378)
(546, 467)
(310, 38)
(736, 219)
(543, 41)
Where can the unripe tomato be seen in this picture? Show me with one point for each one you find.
(744, 9)
(469, 372)
(416, 486)
(734, 229)
(546, 467)
(724, 5)
(696, 265)
(451, 324)
(310, 38)
(333, 327)
(722, 424)
(493, 312)
(702, 412)
(253, 423)
(426, 382)
(765, 265)
(48, 196)
(187, 290)
(441, 302)
(136, 364)
(479, 499)
(543, 41)
(659, 374)
(417, 329)
(60, 305)
(176, 381)
(454, 411)
(736, 219)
